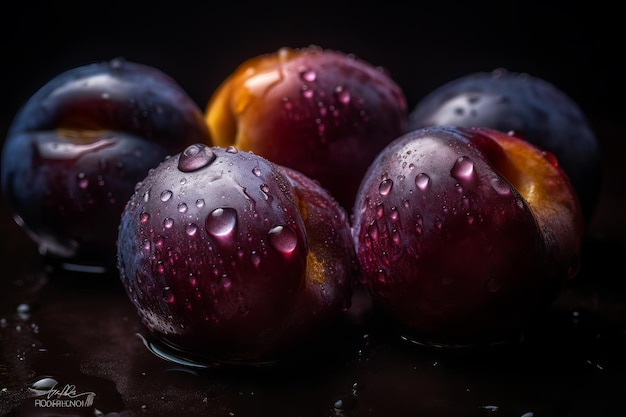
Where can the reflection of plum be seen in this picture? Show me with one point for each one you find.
(464, 234)
(76, 149)
(530, 107)
(230, 258)
(322, 112)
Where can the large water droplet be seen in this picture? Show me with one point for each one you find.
(191, 229)
(195, 157)
(283, 239)
(421, 181)
(43, 384)
(463, 169)
(166, 195)
(221, 222)
(385, 187)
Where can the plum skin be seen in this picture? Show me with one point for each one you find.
(322, 112)
(533, 109)
(78, 146)
(236, 261)
(449, 248)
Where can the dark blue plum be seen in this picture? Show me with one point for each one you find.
(530, 107)
(78, 146)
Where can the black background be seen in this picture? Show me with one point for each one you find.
(574, 45)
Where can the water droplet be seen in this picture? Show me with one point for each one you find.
(232, 149)
(421, 181)
(256, 171)
(168, 222)
(306, 92)
(255, 259)
(463, 169)
(23, 311)
(491, 408)
(551, 157)
(43, 384)
(343, 95)
(200, 203)
(283, 239)
(83, 182)
(395, 236)
(191, 229)
(226, 282)
(182, 208)
(393, 214)
(195, 157)
(144, 217)
(166, 195)
(221, 222)
(308, 75)
(419, 225)
(193, 281)
(385, 187)
(168, 295)
(372, 231)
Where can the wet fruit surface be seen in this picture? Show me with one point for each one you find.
(533, 109)
(228, 257)
(76, 149)
(464, 234)
(322, 112)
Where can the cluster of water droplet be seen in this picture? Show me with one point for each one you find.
(212, 239)
(321, 112)
(434, 216)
